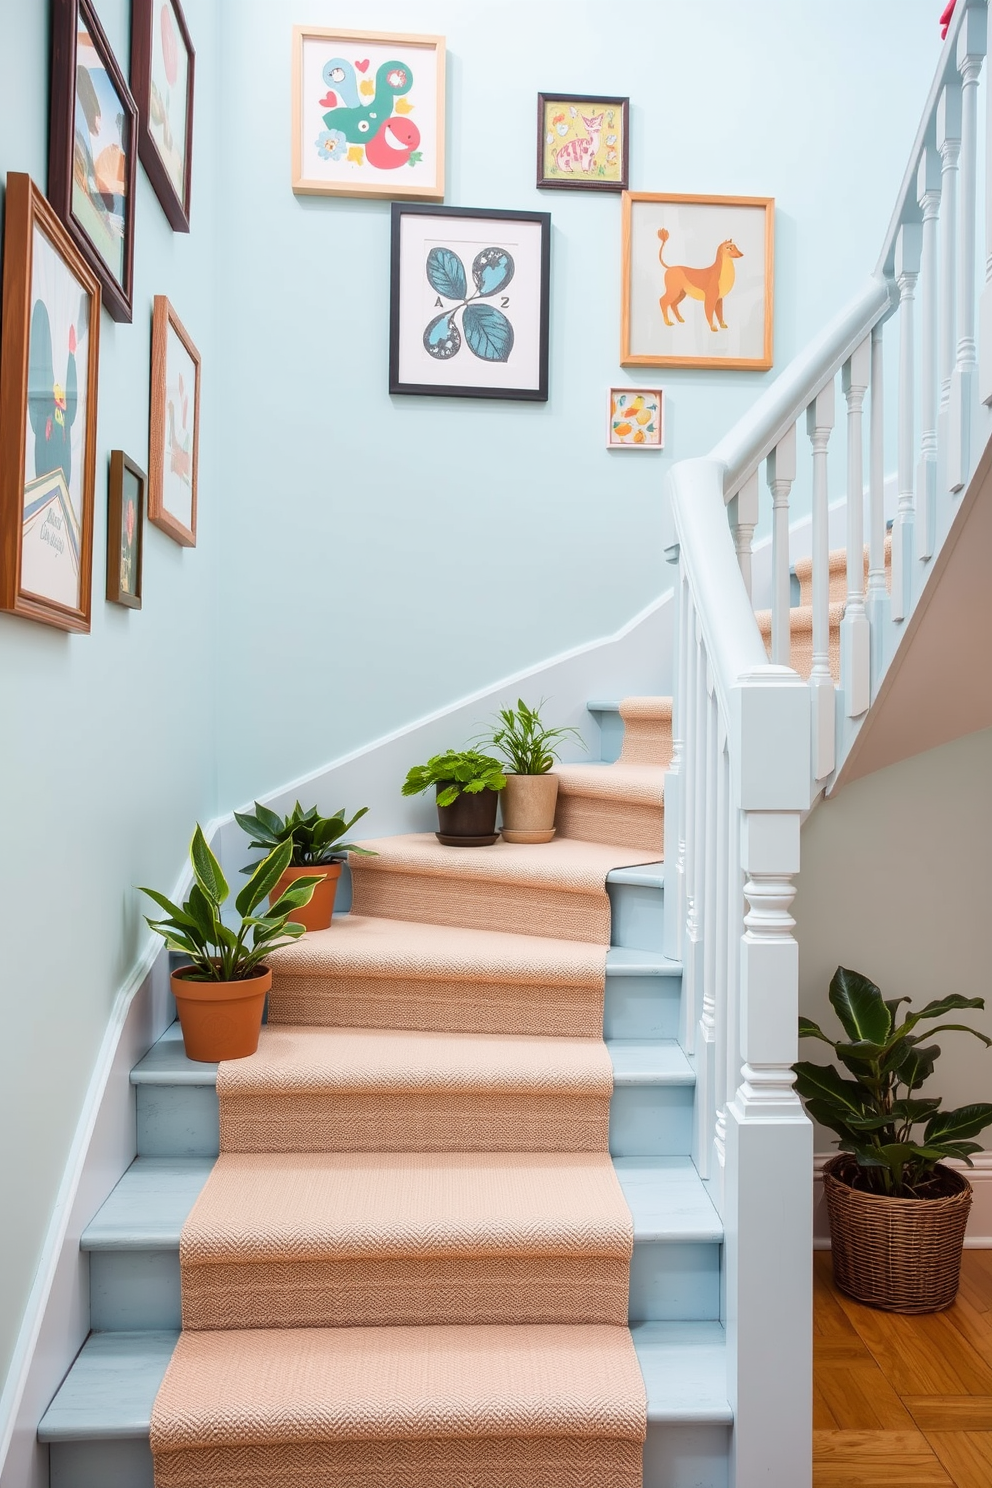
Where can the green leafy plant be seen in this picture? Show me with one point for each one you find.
(315, 839)
(522, 739)
(458, 770)
(875, 1113)
(219, 953)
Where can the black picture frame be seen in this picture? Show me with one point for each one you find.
(493, 330)
(175, 204)
(580, 181)
(122, 467)
(70, 154)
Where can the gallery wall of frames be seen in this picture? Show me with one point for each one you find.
(469, 289)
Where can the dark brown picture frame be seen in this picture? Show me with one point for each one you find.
(164, 317)
(143, 13)
(121, 464)
(67, 17)
(581, 182)
(26, 209)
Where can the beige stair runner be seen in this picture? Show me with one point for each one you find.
(409, 1267)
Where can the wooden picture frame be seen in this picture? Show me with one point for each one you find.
(583, 142)
(635, 418)
(125, 530)
(173, 435)
(92, 150)
(49, 371)
(683, 250)
(469, 321)
(378, 129)
(163, 60)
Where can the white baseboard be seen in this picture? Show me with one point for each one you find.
(636, 659)
(979, 1233)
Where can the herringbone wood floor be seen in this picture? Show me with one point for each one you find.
(903, 1402)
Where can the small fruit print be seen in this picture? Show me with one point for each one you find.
(634, 418)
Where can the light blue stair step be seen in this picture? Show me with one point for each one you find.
(650, 1114)
(133, 1242)
(97, 1425)
(643, 995)
(607, 715)
(637, 905)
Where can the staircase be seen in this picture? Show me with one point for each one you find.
(389, 1134)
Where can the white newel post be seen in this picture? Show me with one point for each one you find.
(819, 424)
(877, 599)
(781, 473)
(908, 248)
(855, 640)
(743, 520)
(928, 196)
(674, 842)
(971, 50)
(769, 1176)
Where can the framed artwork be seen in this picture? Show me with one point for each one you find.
(49, 365)
(91, 150)
(368, 114)
(582, 142)
(162, 64)
(174, 429)
(697, 281)
(125, 530)
(468, 307)
(635, 418)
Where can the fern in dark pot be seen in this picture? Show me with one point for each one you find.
(897, 1212)
(467, 786)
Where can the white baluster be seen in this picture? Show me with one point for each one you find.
(674, 788)
(971, 50)
(855, 638)
(948, 127)
(781, 472)
(744, 519)
(908, 247)
(928, 196)
(706, 1042)
(819, 424)
(877, 598)
(722, 936)
(690, 802)
(985, 304)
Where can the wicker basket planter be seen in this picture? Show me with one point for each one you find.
(900, 1255)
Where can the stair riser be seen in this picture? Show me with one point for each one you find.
(638, 916)
(642, 1007)
(675, 1456)
(610, 734)
(133, 1291)
(645, 1120)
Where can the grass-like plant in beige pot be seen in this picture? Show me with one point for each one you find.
(220, 995)
(317, 851)
(467, 785)
(897, 1212)
(529, 748)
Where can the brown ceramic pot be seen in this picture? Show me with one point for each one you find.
(528, 806)
(470, 820)
(317, 914)
(220, 1020)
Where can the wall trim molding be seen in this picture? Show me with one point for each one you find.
(979, 1233)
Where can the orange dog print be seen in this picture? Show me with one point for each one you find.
(710, 285)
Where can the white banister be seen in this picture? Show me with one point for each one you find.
(928, 197)
(819, 426)
(907, 267)
(970, 52)
(781, 473)
(855, 661)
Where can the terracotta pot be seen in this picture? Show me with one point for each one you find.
(470, 821)
(220, 1020)
(528, 806)
(317, 914)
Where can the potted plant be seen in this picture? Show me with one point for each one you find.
(220, 995)
(531, 794)
(467, 785)
(318, 852)
(897, 1213)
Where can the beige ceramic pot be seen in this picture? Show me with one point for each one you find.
(528, 805)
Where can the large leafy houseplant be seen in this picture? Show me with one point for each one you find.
(315, 839)
(467, 785)
(875, 1109)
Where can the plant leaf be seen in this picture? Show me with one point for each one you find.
(206, 869)
(957, 1126)
(446, 274)
(860, 1007)
(824, 1082)
(492, 270)
(265, 877)
(488, 332)
(809, 1029)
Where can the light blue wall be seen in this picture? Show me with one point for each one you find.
(387, 555)
(107, 747)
